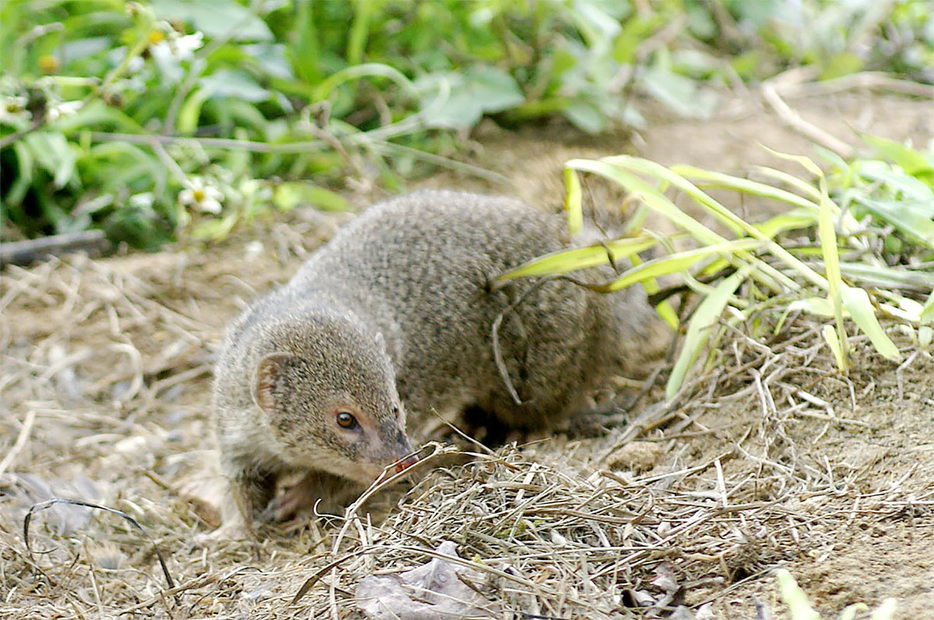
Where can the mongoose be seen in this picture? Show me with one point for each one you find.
(396, 313)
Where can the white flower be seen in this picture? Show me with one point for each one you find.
(65, 108)
(143, 200)
(186, 46)
(13, 107)
(204, 198)
(169, 53)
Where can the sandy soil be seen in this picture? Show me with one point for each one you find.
(776, 461)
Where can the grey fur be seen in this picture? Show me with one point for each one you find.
(398, 308)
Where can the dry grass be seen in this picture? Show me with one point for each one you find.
(770, 458)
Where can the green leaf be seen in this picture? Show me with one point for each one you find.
(287, 196)
(910, 160)
(698, 333)
(471, 94)
(909, 217)
(678, 92)
(566, 261)
(856, 301)
(900, 182)
(235, 84)
(678, 262)
(927, 313)
(215, 18)
(572, 201)
(53, 153)
(585, 116)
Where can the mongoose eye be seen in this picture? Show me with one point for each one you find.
(346, 420)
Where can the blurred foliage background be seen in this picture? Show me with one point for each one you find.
(146, 119)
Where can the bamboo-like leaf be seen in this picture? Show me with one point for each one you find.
(817, 306)
(726, 216)
(857, 303)
(789, 179)
(925, 335)
(747, 186)
(908, 217)
(698, 332)
(653, 198)
(677, 263)
(792, 220)
(911, 161)
(828, 243)
(572, 201)
(830, 337)
(927, 313)
(885, 611)
(566, 261)
(888, 277)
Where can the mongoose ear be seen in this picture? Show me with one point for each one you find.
(268, 379)
(380, 341)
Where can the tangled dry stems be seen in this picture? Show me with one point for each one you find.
(105, 379)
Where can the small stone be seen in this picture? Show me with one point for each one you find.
(636, 455)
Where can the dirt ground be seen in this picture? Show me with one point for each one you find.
(770, 460)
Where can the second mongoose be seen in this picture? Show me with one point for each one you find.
(396, 313)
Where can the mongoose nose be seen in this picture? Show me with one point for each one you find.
(406, 463)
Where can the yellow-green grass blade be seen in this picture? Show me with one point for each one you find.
(827, 236)
(677, 263)
(566, 261)
(572, 201)
(698, 332)
(909, 217)
(725, 181)
(857, 303)
(793, 220)
(927, 312)
(816, 306)
(658, 202)
(791, 180)
(663, 308)
(726, 216)
(887, 277)
(650, 196)
(830, 337)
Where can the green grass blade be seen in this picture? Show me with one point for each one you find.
(572, 201)
(698, 332)
(857, 303)
(830, 337)
(747, 186)
(906, 216)
(927, 313)
(566, 261)
(723, 214)
(650, 196)
(355, 72)
(827, 236)
(677, 263)
(789, 179)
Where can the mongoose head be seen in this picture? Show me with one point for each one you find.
(329, 393)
